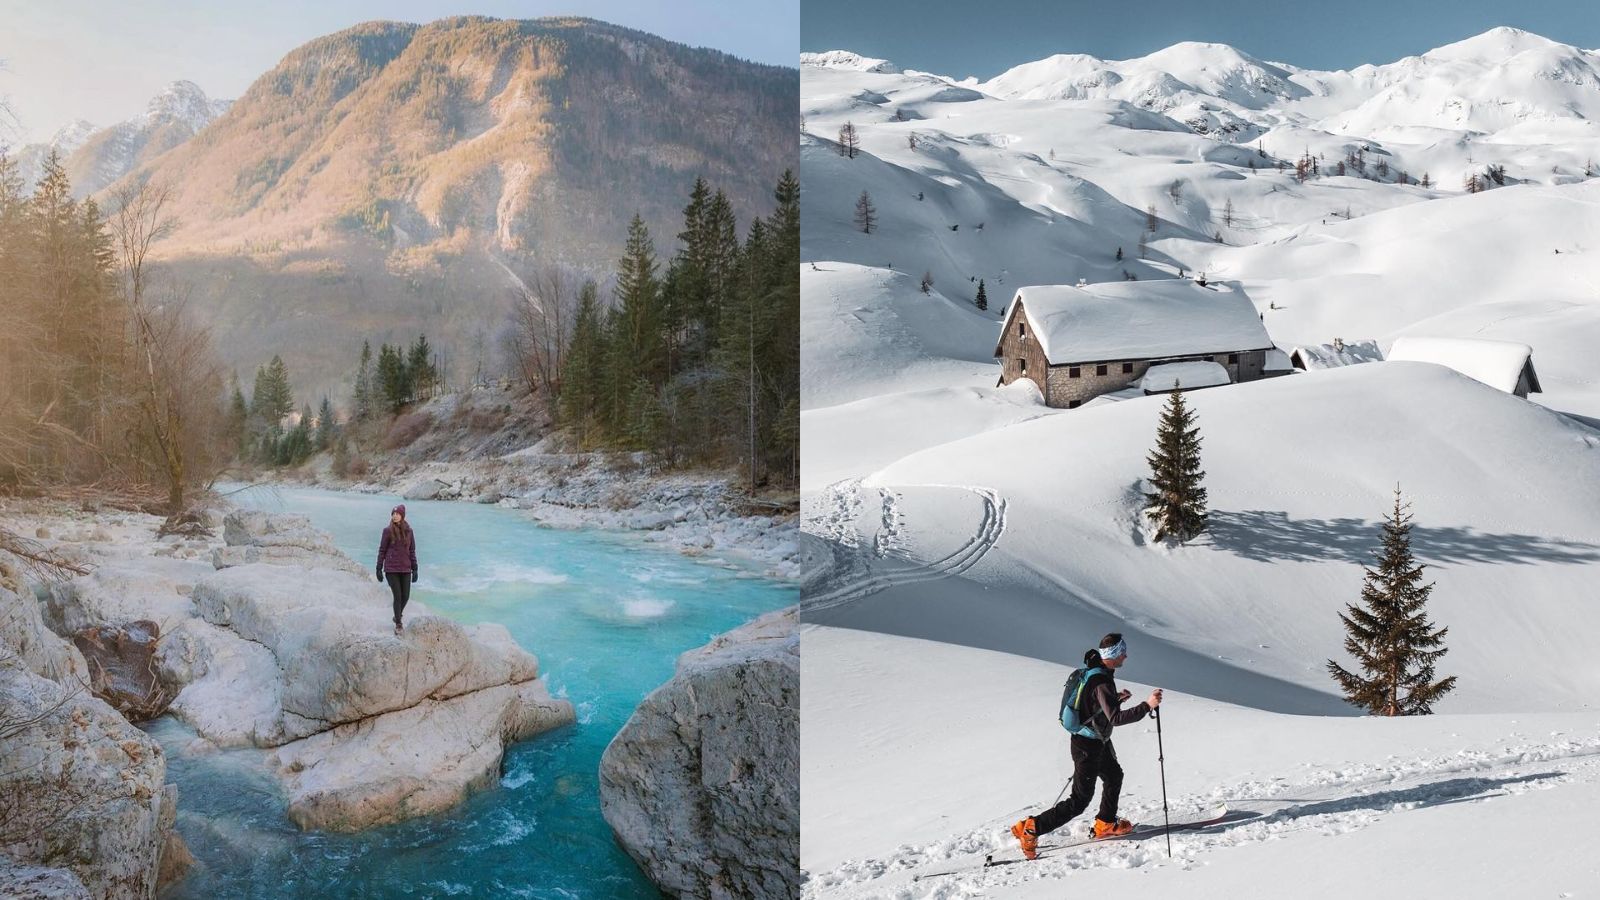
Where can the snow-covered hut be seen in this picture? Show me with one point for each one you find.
(1505, 365)
(1079, 342)
(1311, 357)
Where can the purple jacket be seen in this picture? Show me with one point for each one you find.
(397, 554)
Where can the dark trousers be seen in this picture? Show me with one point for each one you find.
(1091, 759)
(400, 587)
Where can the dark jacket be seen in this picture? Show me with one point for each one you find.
(396, 553)
(1103, 711)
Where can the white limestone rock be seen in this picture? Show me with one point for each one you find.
(701, 786)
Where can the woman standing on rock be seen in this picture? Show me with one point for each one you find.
(397, 560)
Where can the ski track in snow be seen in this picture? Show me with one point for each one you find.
(1332, 801)
(856, 578)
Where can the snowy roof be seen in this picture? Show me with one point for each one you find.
(1277, 361)
(1138, 320)
(1499, 364)
(1330, 356)
(1170, 376)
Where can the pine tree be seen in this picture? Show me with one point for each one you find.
(982, 299)
(927, 283)
(581, 376)
(1177, 505)
(1389, 633)
(391, 379)
(325, 424)
(363, 400)
(420, 376)
(238, 416)
(635, 339)
(866, 213)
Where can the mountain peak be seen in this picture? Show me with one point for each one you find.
(1496, 45)
(183, 102)
(846, 59)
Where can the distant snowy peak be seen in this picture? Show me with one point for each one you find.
(183, 102)
(1161, 80)
(71, 136)
(845, 59)
(1498, 44)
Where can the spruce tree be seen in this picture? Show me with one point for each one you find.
(420, 376)
(363, 400)
(238, 416)
(982, 299)
(1389, 634)
(325, 424)
(1178, 501)
(584, 365)
(391, 379)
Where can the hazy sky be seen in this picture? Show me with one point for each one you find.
(102, 60)
(986, 38)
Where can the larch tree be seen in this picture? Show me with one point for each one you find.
(1177, 499)
(1389, 634)
(866, 213)
(849, 140)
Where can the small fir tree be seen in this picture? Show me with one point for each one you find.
(1177, 501)
(927, 282)
(982, 299)
(1389, 634)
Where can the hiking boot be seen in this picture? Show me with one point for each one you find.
(1104, 829)
(397, 628)
(1026, 836)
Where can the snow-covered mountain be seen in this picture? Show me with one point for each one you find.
(973, 541)
(30, 157)
(96, 157)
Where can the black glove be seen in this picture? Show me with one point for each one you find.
(414, 574)
(380, 571)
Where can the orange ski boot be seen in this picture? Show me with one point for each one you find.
(1104, 829)
(1026, 836)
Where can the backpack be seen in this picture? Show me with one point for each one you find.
(1072, 703)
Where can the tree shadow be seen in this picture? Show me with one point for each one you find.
(1422, 796)
(1272, 536)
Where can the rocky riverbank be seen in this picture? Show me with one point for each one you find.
(489, 447)
(264, 636)
(702, 786)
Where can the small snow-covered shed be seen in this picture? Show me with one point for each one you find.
(1311, 357)
(1505, 365)
(1078, 342)
(1168, 377)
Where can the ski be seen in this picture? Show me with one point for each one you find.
(1138, 832)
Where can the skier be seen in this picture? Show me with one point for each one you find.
(397, 560)
(1100, 706)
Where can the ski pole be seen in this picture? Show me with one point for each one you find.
(1161, 758)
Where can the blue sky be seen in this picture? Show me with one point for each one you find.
(986, 38)
(103, 60)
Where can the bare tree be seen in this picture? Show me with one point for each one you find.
(179, 377)
(849, 140)
(542, 319)
(866, 213)
(1227, 213)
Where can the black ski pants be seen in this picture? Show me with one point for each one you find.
(400, 587)
(1091, 759)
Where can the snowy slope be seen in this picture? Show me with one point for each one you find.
(970, 543)
(1064, 161)
(1441, 806)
